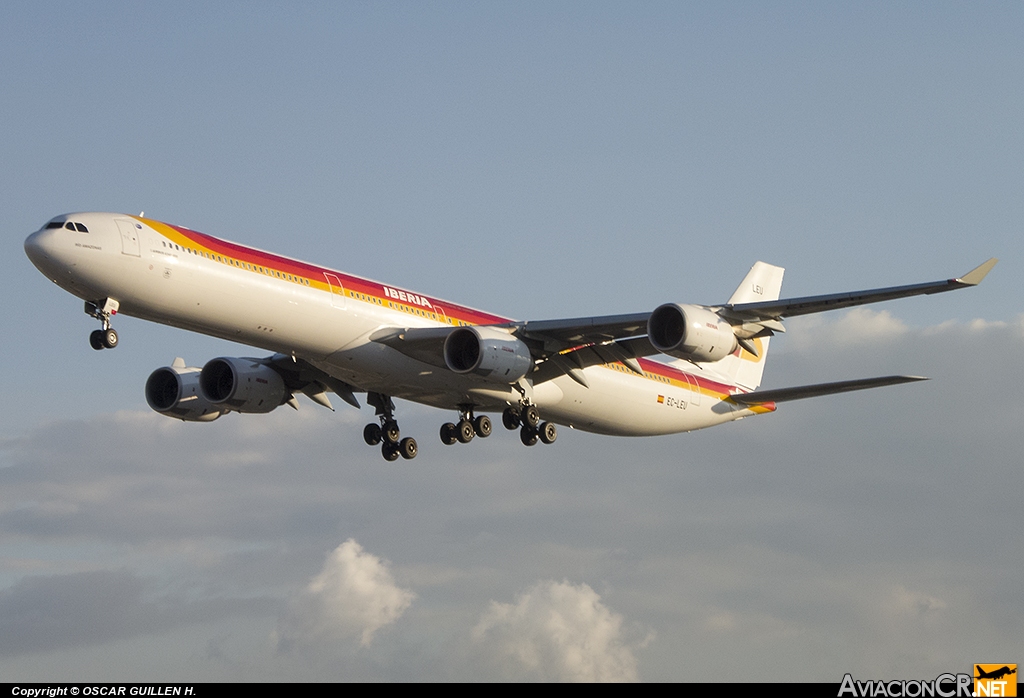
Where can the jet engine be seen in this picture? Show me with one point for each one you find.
(174, 391)
(487, 352)
(690, 332)
(242, 385)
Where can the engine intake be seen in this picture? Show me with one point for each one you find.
(487, 352)
(174, 391)
(690, 332)
(242, 385)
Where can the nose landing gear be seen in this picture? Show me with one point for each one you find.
(102, 310)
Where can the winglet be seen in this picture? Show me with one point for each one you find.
(974, 276)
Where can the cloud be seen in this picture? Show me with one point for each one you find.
(557, 631)
(354, 595)
(42, 613)
(856, 328)
(861, 530)
(914, 603)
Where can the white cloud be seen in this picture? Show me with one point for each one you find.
(354, 595)
(855, 327)
(558, 631)
(913, 603)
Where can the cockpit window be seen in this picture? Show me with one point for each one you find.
(69, 225)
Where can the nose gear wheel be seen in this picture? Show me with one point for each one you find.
(102, 310)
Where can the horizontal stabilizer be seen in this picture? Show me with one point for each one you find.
(759, 397)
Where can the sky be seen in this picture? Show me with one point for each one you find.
(537, 160)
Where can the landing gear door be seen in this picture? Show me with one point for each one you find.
(129, 236)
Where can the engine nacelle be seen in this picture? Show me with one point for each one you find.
(174, 391)
(487, 352)
(690, 332)
(242, 385)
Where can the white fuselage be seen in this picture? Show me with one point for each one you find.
(178, 277)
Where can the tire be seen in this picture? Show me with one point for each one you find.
(482, 426)
(408, 448)
(528, 436)
(391, 433)
(389, 451)
(372, 434)
(531, 416)
(96, 339)
(109, 338)
(465, 431)
(510, 418)
(448, 434)
(548, 433)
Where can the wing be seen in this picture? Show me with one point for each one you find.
(565, 347)
(560, 335)
(300, 376)
(789, 307)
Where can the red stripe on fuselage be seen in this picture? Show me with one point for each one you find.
(356, 284)
(286, 265)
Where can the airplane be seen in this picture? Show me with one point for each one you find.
(996, 674)
(335, 332)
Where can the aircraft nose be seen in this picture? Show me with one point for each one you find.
(37, 245)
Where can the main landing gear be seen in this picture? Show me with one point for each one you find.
(468, 427)
(387, 432)
(102, 310)
(526, 418)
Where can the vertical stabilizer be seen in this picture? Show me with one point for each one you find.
(762, 283)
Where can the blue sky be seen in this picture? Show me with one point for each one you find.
(537, 160)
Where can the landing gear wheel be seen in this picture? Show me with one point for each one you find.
(465, 432)
(96, 339)
(448, 435)
(531, 416)
(110, 338)
(391, 432)
(528, 436)
(389, 451)
(408, 448)
(482, 426)
(510, 418)
(548, 433)
(372, 434)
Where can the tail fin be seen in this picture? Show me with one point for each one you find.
(762, 283)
